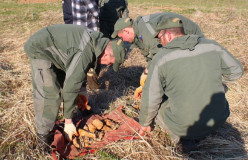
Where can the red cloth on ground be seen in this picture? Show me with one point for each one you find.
(127, 130)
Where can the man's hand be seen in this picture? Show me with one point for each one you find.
(69, 129)
(138, 92)
(144, 130)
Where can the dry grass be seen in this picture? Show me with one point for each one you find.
(17, 133)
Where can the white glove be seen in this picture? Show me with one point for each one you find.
(69, 130)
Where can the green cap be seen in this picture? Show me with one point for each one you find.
(119, 53)
(120, 24)
(172, 22)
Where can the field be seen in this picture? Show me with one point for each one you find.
(225, 21)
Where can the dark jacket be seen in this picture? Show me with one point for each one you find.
(112, 10)
(67, 11)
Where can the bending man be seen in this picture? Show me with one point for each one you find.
(71, 49)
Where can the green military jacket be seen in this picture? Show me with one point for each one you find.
(189, 71)
(71, 48)
(144, 28)
(112, 10)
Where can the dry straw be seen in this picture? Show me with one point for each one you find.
(17, 132)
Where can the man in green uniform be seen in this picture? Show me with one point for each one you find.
(71, 49)
(110, 12)
(141, 33)
(184, 90)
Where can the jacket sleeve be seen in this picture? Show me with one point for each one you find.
(231, 68)
(152, 95)
(153, 49)
(149, 44)
(75, 76)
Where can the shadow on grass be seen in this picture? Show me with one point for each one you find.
(114, 85)
(225, 141)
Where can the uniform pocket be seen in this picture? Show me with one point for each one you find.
(42, 76)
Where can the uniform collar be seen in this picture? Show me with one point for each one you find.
(184, 42)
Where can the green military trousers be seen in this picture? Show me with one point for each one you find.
(160, 121)
(46, 93)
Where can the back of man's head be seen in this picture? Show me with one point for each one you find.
(114, 53)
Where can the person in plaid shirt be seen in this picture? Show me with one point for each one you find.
(85, 12)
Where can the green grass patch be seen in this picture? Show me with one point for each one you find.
(13, 13)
